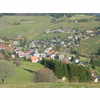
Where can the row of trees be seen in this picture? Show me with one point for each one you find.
(72, 72)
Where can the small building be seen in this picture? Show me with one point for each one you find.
(77, 61)
(61, 57)
(5, 47)
(35, 59)
(21, 54)
(97, 79)
(65, 60)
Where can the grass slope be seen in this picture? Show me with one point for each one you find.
(22, 76)
(34, 27)
(30, 26)
(52, 85)
(90, 46)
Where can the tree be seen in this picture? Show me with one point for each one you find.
(6, 53)
(98, 52)
(6, 69)
(92, 62)
(72, 72)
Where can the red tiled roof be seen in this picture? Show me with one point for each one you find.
(4, 46)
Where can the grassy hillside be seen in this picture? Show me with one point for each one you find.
(90, 46)
(33, 27)
(28, 26)
(22, 76)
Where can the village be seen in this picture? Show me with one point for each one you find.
(35, 50)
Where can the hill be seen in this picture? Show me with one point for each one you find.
(35, 26)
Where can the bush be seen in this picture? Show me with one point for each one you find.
(17, 62)
(48, 63)
(45, 75)
(73, 72)
(6, 53)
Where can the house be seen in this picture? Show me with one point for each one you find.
(65, 60)
(2, 41)
(21, 54)
(69, 58)
(2, 56)
(16, 43)
(55, 31)
(76, 21)
(35, 59)
(77, 61)
(61, 57)
(89, 31)
(50, 52)
(4, 46)
(52, 56)
(13, 56)
(97, 79)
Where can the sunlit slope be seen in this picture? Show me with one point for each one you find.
(28, 26)
(34, 27)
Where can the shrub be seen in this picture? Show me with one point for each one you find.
(59, 69)
(48, 63)
(17, 62)
(6, 53)
(45, 75)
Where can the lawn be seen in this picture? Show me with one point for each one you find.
(31, 66)
(22, 76)
(52, 85)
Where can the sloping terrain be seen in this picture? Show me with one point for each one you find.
(34, 27)
(27, 26)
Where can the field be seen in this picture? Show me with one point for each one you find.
(27, 26)
(34, 27)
